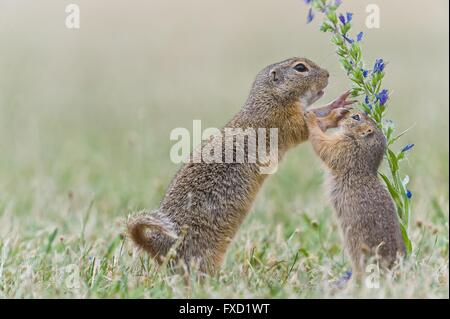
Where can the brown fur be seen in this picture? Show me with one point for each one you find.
(364, 208)
(212, 199)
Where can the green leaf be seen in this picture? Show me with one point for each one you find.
(355, 91)
(355, 51)
(399, 135)
(345, 28)
(331, 15)
(392, 158)
(388, 131)
(347, 66)
(326, 27)
(406, 239)
(357, 73)
(304, 252)
(112, 246)
(342, 53)
(51, 238)
(336, 40)
(365, 108)
(394, 194)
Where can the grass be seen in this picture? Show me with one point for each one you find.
(84, 141)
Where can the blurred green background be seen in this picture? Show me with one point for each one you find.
(85, 115)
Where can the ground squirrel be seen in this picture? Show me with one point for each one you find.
(210, 200)
(364, 208)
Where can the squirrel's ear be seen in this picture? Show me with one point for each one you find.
(274, 75)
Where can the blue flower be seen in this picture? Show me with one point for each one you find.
(342, 19)
(378, 66)
(347, 275)
(365, 72)
(337, 3)
(407, 147)
(382, 97)
(310, 16)
(349, 40)
(367, 102)
(307, 1)
(359, 36)
(342, 281)
(349, 16)
(408, 194)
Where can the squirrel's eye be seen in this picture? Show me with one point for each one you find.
(356, 117)
(301, 67)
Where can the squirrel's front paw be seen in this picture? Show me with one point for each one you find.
(341, 101)
(332, 120)
(339, 113)
(310, 117)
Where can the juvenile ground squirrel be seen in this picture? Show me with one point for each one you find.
(210, 200)
(364, 208)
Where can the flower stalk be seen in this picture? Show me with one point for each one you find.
(366, 86)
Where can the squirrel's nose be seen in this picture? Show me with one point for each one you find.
(327, 74)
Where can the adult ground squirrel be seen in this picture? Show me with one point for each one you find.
(210, 200)
(364, 208)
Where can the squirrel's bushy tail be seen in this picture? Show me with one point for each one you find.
(143, 225)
